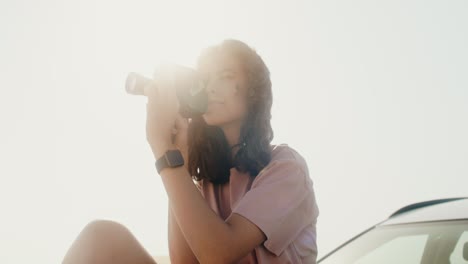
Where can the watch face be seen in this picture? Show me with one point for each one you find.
(174, 158)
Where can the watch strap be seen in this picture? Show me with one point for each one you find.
(170, 159)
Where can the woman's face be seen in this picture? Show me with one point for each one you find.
(226, 85)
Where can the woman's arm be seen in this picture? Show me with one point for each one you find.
(179, 250)
(211, 239)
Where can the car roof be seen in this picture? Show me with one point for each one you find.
(428, 211)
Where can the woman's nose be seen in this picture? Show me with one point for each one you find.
(210, 88)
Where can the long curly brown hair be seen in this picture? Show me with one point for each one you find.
(209, 153)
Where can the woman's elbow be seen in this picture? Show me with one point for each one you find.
(217, 257)
(215, 260)
(181, 260)
(178, 257)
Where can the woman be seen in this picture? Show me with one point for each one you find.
(252, 202)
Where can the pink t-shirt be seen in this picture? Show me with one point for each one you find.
(280, 201)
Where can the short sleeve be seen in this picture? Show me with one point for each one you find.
(281, 203)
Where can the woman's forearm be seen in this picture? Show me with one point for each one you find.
(179, 251)
(206, 234)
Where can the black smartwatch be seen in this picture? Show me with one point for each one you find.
(170, 159)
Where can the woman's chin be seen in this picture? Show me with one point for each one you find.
(211, 120)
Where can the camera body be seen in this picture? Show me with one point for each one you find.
(190, 88)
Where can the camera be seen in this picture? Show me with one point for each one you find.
(190, 88)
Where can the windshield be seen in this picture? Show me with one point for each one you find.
(425, 243)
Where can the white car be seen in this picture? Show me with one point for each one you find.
(431, 232)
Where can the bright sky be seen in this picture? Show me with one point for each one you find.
(374, 94)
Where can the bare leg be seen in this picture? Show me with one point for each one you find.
(105, 242)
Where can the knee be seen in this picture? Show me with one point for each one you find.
(107, 230)
(97, 240)
(101, 225)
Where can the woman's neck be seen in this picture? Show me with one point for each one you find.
(232, 134)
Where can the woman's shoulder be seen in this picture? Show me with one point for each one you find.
(285, 155)
(287, 167)
(285, 152)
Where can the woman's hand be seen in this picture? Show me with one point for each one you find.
(180, 132)
(161, 113)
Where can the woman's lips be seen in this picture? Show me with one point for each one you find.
(214, 104)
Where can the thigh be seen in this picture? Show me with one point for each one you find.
(105, 241)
